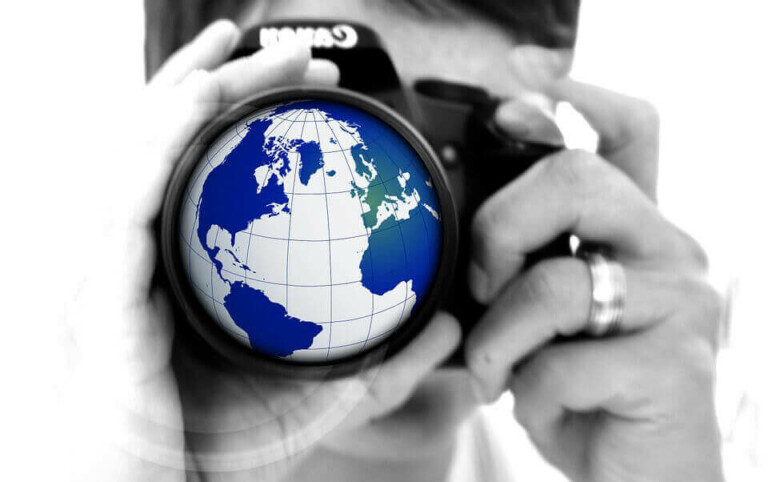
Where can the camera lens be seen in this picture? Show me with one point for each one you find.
(308, 227)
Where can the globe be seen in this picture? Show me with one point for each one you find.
(310, 231)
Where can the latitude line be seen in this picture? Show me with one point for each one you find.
(247, 278)
(355, 318)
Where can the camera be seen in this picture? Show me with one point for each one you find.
(450, 122)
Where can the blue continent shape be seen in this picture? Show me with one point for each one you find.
(270, 329)
(311, 160)
(230, 199)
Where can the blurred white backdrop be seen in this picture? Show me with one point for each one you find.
(72, 75)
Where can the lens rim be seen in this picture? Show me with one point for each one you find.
(195, 313)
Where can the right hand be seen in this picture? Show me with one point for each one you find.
(171, 412)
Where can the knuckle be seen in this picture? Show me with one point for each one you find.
(707, 299)
(645, 114)
(548, 369)
(693, 250)
(642, 120)
(478, 356)
(533, 383)
(689, 368)
(385, 396)
(487, 229)
(698, 363)
(542, 283)
(545, 370)
(709, 308)
(576, 169)
(704, 307)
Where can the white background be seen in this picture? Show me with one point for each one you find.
(72, 71)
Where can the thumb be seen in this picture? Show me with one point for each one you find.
(528, 118)
(628, 128)
(392, 383)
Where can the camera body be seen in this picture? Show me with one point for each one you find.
(456, 119)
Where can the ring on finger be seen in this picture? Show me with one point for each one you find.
(609, 293)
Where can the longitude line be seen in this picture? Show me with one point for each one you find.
(266, 174)
(330, 259)
(293, 121)
(208, 162)
(402, 240)
(212, 270)
(290, 208)
(362, 213)
(421, 214)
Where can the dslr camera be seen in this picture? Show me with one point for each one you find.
(457, 121)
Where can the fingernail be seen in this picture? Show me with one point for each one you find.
(223, 28)
(538, 101)
(321, 71)
(511, 116)
(479, 283)
(529, 118)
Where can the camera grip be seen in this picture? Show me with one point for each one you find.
(474, 181)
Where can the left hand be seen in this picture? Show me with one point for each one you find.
(151, 406)
(638, 406)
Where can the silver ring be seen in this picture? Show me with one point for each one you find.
(609, 294)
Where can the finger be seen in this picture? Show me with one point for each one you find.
(185, 109)
(321, 72)
(282, 64)
(526, 118)
(553, 299)
(203, 94)
(642, 382)
(391, 384)
(570, 192)
(426, 421)
(282, 417)
(211, 48)
(198, 98)
(628, 128)
(611, 374)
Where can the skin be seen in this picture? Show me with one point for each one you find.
(635, 407)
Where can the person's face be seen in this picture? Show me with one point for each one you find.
(459, 45)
